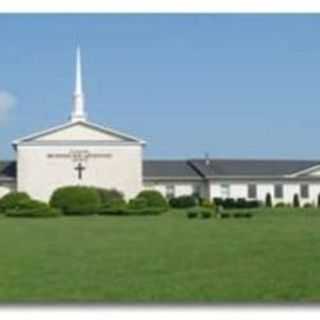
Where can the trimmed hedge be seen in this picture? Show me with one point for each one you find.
(207, 204)
(153, 199)
(33, 208)
(76, 200)
(34, 213)
(204, 213)
(111, 198)
(240, 203)
(236, 213)
(13, 200)
(183, 202)
(131, 212)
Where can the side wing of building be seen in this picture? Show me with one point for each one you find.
(236, 178)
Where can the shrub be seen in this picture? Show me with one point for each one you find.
(132, 212)
(138, 203)
(151, 211)
(218, 201)
(33, 208)
(268, 200)
(112, 211)
(192, 214)
(206, 213)
(12, 200)
(229, 203)
(32, 204)
(236, 213)
(111, 197)
(318, 201)
(76, 200)
(296, 201)
(153, 198)
(280, 205)
(240, 203)
(308, 205)
(34, 213)
(207, 204)
(183, 202)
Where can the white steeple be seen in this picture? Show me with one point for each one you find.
(78, 113)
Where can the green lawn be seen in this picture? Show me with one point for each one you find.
(273, 257)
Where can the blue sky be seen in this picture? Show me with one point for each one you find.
(244, 86)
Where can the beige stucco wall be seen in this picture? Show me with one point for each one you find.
(40, 176)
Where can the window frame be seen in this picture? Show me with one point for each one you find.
(281, 192)
(250, 194)
(302, 194)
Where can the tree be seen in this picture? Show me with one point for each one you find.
(296, 201)
(268, 200)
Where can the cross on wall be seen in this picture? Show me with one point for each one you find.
(80, 168)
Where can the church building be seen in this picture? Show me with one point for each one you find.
(80, 152)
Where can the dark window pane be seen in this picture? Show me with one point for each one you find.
(252, 191)
(278, 191)
(304, 191)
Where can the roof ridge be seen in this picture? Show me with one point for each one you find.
(257, 159)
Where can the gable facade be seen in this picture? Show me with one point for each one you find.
(78, 154)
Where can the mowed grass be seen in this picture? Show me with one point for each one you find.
(273, 257)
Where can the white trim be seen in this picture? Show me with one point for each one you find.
(58, 143)
(70, 124)
(304, 171)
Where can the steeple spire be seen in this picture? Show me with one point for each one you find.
(78, 113)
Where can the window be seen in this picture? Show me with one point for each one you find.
(196, 190)
(304, 191)
(278, 191)
(170, 191)
(252, 191)
(225, 191)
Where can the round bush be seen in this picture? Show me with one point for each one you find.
(281, 205)
(111, 198)
(206, 213)
(13, 200)
(76, 200)
(194, 213)
(138, 203)
(153, 198)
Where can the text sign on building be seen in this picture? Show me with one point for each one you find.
(79, 155)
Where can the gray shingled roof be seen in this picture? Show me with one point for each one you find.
(224, 167)
(248, 167)
(168, 169)
(7, 170)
